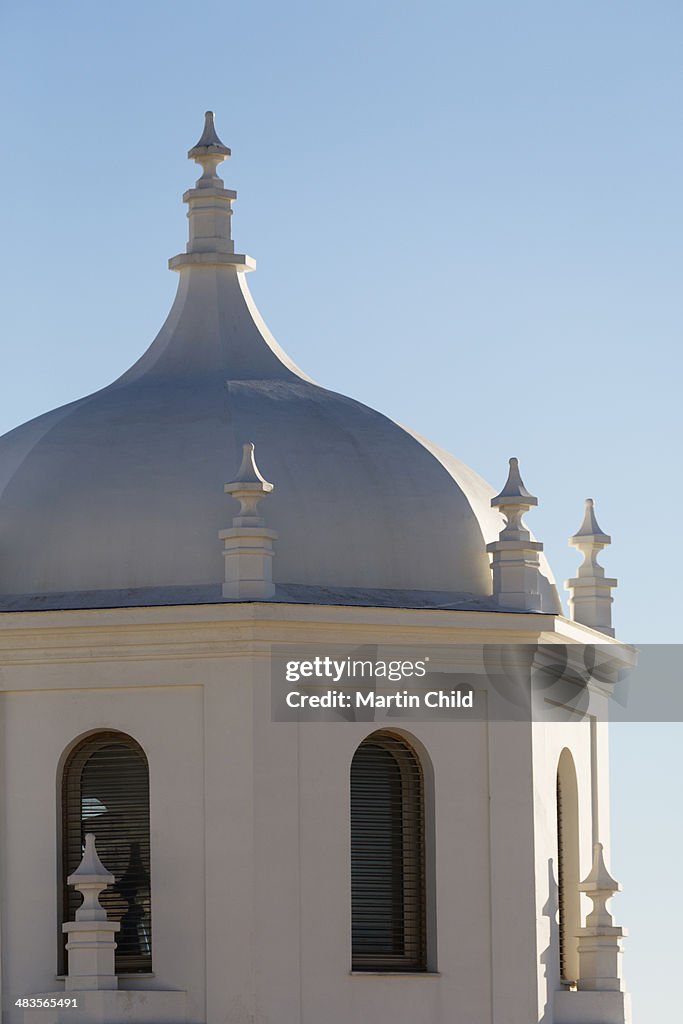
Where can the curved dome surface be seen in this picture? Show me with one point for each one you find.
(123, 490)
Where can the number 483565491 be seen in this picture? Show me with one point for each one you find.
(46, 1002)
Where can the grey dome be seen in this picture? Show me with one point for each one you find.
(122, 491)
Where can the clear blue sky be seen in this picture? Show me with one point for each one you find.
(466, 215)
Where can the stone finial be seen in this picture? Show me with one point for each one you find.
(514, 489)
(515, 556)
(90, 938)
(600, 886)
(249, 487)
(90, 878)
(210, 210)
(589, 529)
(600, 940)
(590, 592)
(248, 544)
(209, 153)
(209, 141)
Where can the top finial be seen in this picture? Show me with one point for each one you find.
(589, 527)
(590, 591)
(91, 867)
(209, 139)
(248, 544)
(249, 487)
(514, 488)
(210, 210)
(209, 152)
(90, 878)
(515, 556)
(249, 473)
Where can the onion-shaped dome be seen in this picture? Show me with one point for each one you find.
(118, 498)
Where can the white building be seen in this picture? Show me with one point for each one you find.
(352, 869)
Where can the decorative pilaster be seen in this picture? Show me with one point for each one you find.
(90, 938)
(515, 561)
(590, 592)
(248, 544)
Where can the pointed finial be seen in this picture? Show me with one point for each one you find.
(600, 942)
(590, 591)
(514, 488)
(209, 152)
(91, 866)
(589, 527)
(249, 487)
(90, 878)
(249, 473)
(209, 140)
(90, 937)
(599, 878)
(515, 556)
(248, 545)
(210, 210)
(513, 501)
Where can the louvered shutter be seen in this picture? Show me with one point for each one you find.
(106, 792)
(387, 856)
(561, 883)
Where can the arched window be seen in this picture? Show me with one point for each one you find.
(568, 868)
(105, 790)
(387, 856)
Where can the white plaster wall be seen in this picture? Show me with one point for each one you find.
(460, 933)
(250, 821)
(38, 726)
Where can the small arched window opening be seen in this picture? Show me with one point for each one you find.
(387, 856)
(105, 790)
(569, 899)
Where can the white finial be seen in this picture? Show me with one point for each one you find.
(599, 885)
(90, 938)
(209, 153)
(249, 487)
(90, 878)
(600, 939)
(248, 545)
(515, 561)
(590, 592)
(210, 210)
(249, 471)
(513, 501)
(209, 138)
(589, 527)
(514, 488)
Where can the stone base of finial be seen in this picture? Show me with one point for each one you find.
(243, 264)
(91, 945)
(592, 1008)
(248, 590)
(134, 1006)
(516, 575)
(248, 563)
(590, 602)
(600, 957)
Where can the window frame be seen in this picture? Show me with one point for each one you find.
(568, 869)
(69, 784)
(413, 861)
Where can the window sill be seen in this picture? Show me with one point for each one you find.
(395, 974)
(124, 977)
